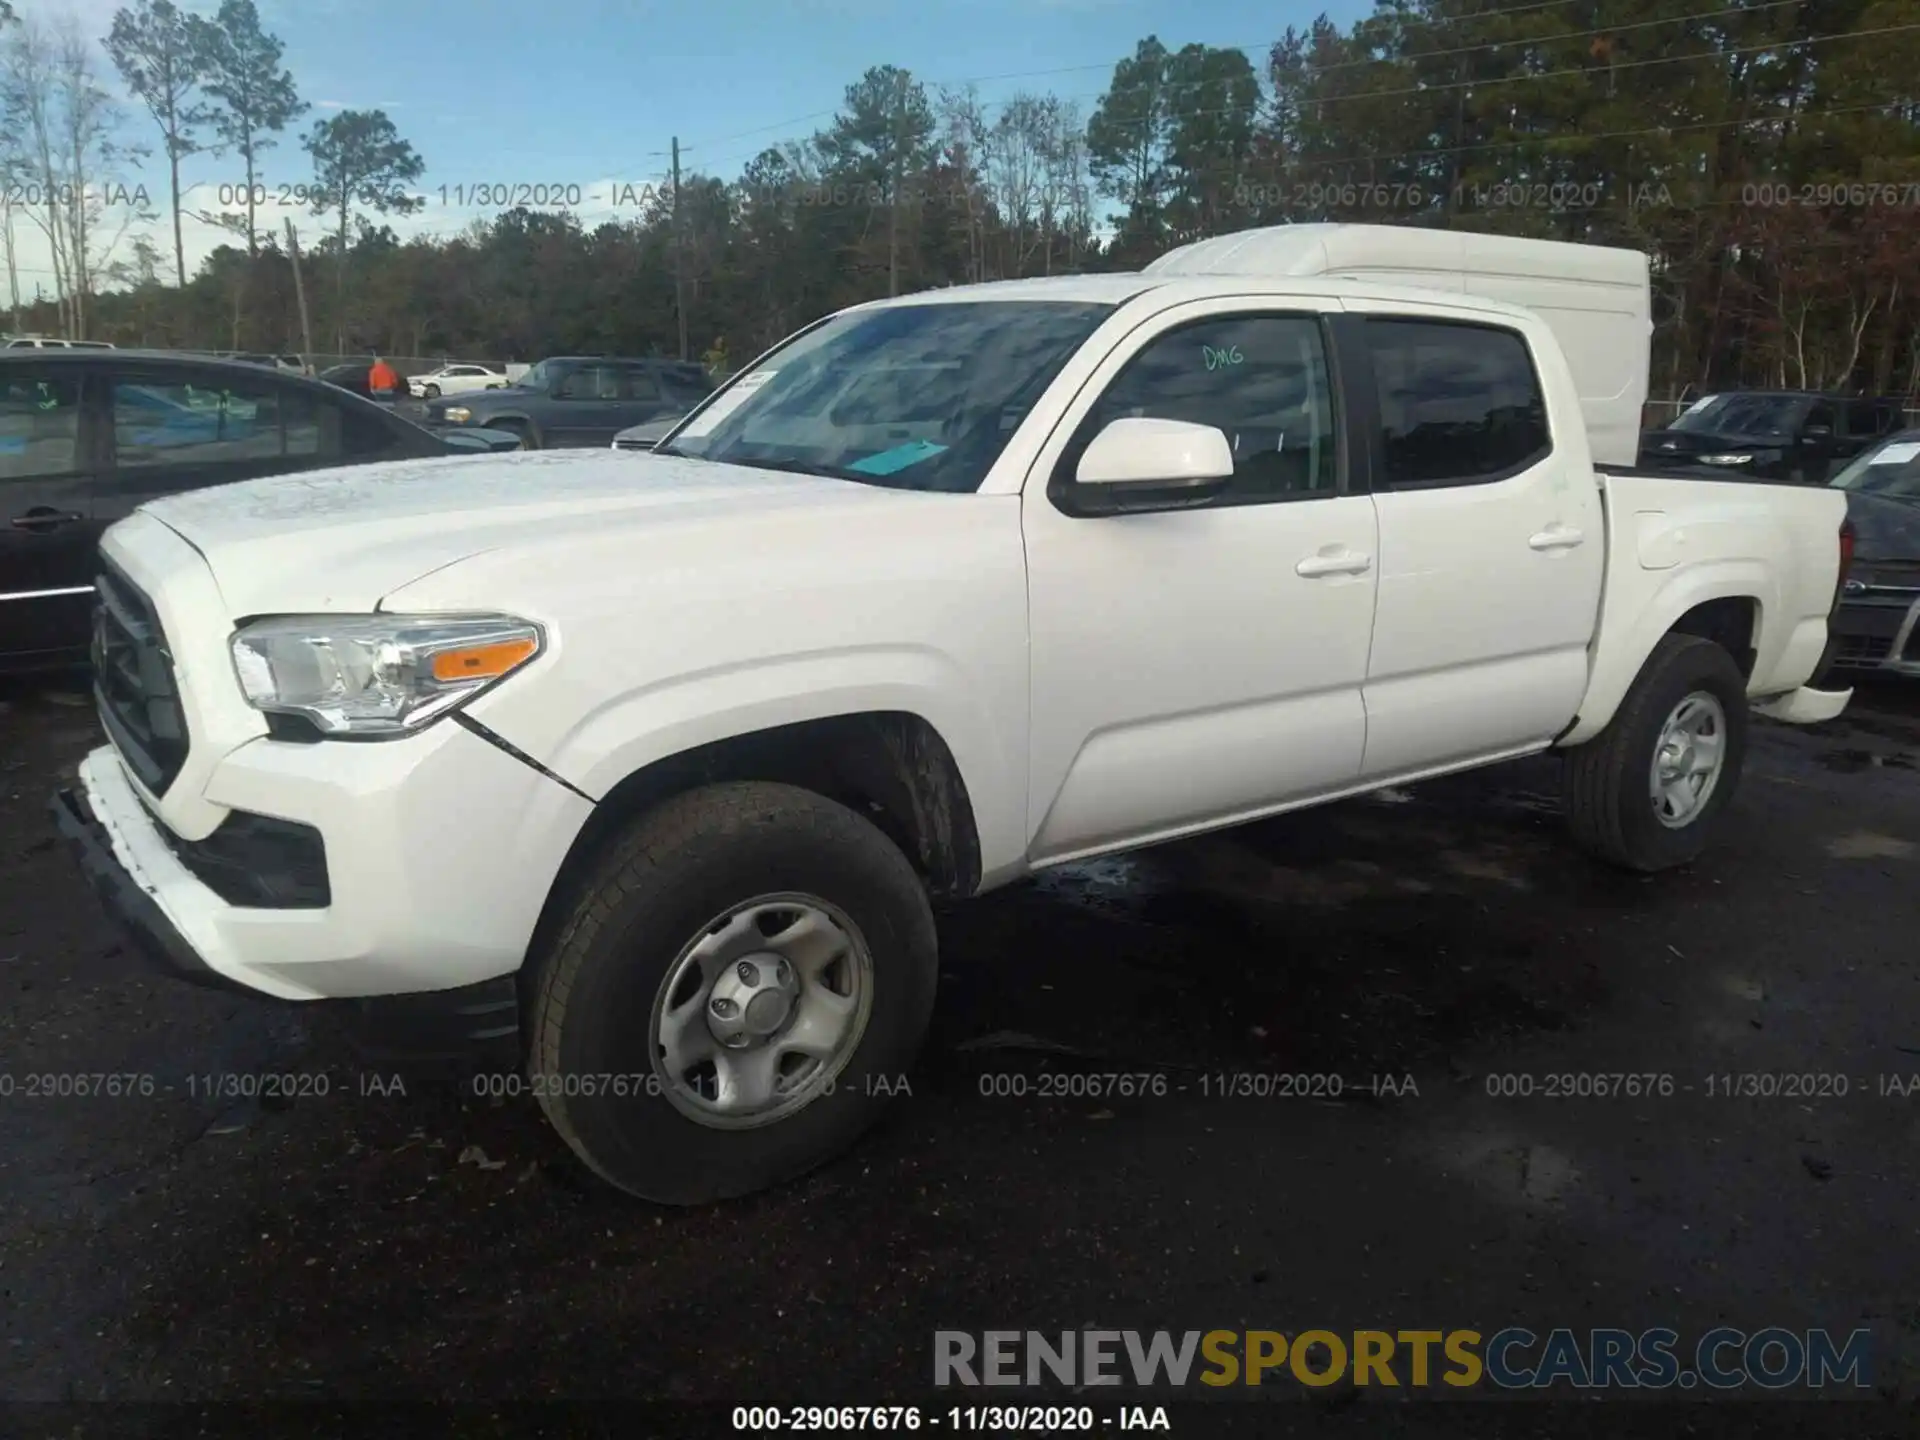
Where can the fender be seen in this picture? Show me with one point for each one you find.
(1655, 601)
(633, 729)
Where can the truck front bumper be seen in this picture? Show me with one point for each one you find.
(439, 852)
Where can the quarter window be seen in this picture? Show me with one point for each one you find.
(1459, 404)
(1261, 380)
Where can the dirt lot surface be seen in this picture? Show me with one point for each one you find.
(368, 1245)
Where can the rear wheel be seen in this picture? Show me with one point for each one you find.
(746, 974)
(1647, 792)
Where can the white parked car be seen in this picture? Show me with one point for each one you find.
(655, 776)
(454, 380)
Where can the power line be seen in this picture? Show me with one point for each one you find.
(1427, 88)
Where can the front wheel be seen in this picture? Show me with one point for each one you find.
(430, 392)
(746, 975)
(519, 432)
(1647, 792)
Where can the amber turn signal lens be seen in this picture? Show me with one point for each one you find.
(480, 662)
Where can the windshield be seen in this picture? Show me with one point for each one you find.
(1745, 414)
(923, 397)
(537, 377)
(1891, 470)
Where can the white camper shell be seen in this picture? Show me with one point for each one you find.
(1595, 298)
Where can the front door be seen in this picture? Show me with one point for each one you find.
(46, 512)
(1198, 665)
(587, 407)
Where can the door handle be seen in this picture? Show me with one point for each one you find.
(43, 518)
(1344, 562)
(1556, 537)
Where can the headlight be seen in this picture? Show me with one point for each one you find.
(457, 414)
(377, 675)
(1743, 458)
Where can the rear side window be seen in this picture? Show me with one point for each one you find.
(1459, 404)
(39, 425)
(211, 421)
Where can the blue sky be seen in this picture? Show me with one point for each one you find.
(590, 92)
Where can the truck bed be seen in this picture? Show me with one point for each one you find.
(1753, 563)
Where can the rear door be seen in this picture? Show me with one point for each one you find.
(641, 396)
(1491, 538)
(586, 407)
(47, 531)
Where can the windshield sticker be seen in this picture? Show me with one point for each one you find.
(889, 462)
(1897, 454)
(742, 391)
(1216, 359)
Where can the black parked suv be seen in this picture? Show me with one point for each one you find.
(88, 435)
(577, 400)
(1795, 435)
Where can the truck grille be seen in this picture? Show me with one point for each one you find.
(133, 683)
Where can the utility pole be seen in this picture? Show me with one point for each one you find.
(300, 294)
(679, 259)
(893, 197)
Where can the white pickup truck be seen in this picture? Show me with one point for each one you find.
(652, 763)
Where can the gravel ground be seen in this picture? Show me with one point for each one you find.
(371, 1246)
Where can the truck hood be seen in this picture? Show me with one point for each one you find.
(342, 540)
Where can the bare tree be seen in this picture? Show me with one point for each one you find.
(164, 55)
(87, 121)
(13, 173)
(28, 92)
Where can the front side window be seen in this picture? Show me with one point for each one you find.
(916, 396)
(1261, 380)
(591, 382)
(1459, 403)
(172, 421)
(39, 425)
(639, 383)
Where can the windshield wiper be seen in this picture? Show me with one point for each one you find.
(800, 467)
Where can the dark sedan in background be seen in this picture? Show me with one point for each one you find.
(1792, 435)
(86, 436)
(1878, 627)
(572, 400)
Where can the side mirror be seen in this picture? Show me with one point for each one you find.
(1140, 464)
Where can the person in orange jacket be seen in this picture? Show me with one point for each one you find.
(383, 381)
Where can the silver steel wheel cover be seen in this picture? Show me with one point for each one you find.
(1687, 760)
(760, 1011)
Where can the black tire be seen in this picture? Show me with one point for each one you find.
(517, 428)
(656, 887)
(1609, 808)
(430, 392)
